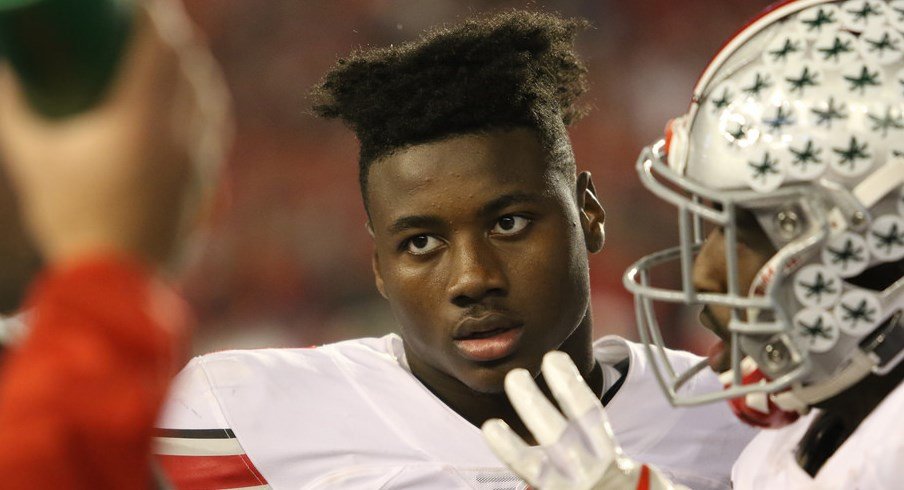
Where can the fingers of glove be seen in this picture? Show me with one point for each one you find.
(513, 451)
(537, 413)
(571, 460)
(574, 396)
(580, 404)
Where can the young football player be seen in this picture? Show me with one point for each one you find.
(791, 155)
(482, 229)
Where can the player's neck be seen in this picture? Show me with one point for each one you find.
(854, 404)
(840, 417)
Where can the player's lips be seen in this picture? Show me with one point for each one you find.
(488, 337)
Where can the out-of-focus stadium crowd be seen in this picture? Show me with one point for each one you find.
(288, 262)
(289, 259)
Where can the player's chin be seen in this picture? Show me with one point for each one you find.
(489, 380)
(719, 356)
(711, 322)
(489, 377)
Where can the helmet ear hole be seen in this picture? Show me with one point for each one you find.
(788, 223)
(780, 225)
(880, 276)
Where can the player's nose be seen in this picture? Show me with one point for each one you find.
(476, 272)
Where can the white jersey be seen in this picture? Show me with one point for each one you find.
(351, 415)
(872, 457)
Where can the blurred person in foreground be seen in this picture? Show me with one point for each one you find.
(482, 229)
(103, 194)
(792, 156)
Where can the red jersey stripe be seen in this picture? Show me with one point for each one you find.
(643, 483)
(205, 472)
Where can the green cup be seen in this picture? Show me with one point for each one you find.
(65, 52)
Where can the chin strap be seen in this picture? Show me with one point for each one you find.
(800, 397)
(758, 409)
(879, 353)
(776, 410)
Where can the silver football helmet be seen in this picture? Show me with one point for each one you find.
(799, 121)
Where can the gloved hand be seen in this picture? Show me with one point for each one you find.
(577, 451)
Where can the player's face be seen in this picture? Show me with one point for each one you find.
(711, 275)
(481, 252)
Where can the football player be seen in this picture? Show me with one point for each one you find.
(788, 176)
(482, 229)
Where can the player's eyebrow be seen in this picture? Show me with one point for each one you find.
(506, 200)
(490, 208)
(416, 221)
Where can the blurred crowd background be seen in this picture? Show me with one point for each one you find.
(288, 261)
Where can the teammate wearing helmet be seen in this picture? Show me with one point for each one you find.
(788, 176)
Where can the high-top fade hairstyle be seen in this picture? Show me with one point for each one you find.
(515, 69)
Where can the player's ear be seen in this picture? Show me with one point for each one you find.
(375, 262)
(593, 216)
(378, 278)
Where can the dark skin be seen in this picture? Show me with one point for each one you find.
(841, 414)
(19, 258)
(711, 272)
(479, 225)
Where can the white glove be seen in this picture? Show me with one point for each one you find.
(577, 453)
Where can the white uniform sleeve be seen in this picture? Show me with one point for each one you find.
(194, 444)
(192, 404)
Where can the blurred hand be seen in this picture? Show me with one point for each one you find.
(123, 176)
(577, 451)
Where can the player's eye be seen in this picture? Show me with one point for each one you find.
(422, 244)
(510, 225)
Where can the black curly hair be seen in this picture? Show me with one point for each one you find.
(510, 70)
